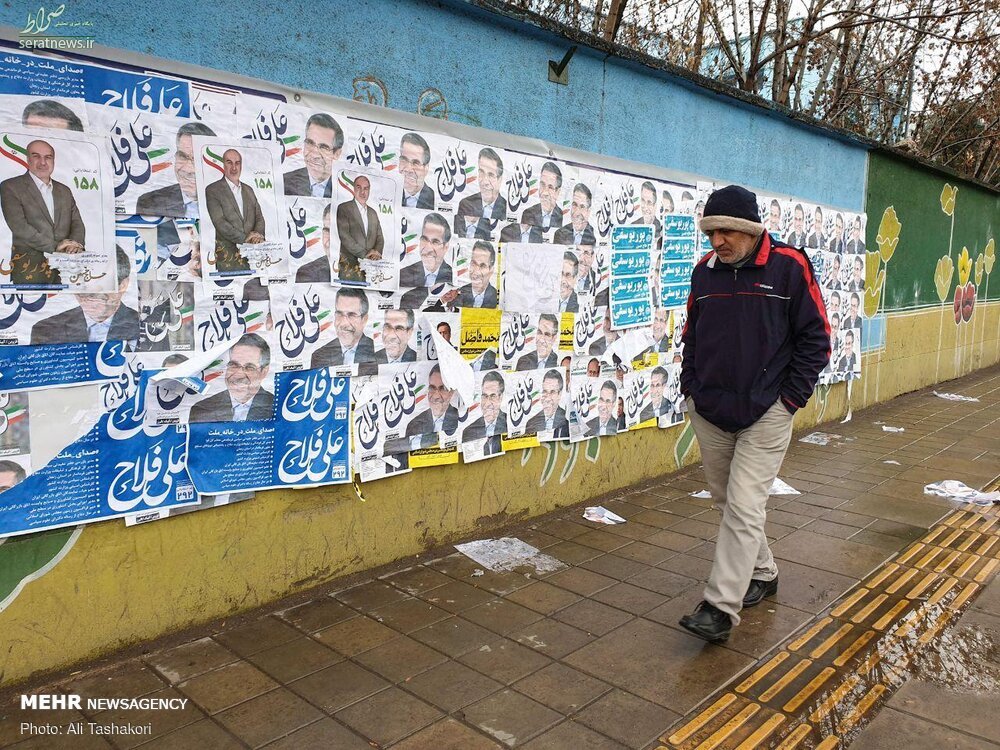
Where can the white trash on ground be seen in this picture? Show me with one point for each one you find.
(778, 487)
(600, 514)
(887, 428)
(506, 554)
(956, 490)
(819, 438)
(955, 397)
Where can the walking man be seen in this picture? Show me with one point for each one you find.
(755, 342)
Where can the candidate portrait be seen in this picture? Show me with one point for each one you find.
(397, 330)
(318, 270)
(181, 198)
(244, 400)
(479, 213)
(321, 146)
(42, 216)
(235, 214)
(48, 113)
(579, 231)
(546, 336)
(351, 346)
(414, 161)
(480, 292)
(552, 417)
(359, 232)
(547, 213)
(97, 316)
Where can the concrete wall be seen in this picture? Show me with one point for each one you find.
(70, 596)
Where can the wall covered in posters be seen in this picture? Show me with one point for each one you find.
(435, 214)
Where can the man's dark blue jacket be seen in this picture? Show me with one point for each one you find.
(754, 334)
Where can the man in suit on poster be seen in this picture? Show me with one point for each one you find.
(397, 328)
(647, 210)
(552, 418)
(321, 147)
(318, 270)
(181, 198)
(545, 339)
(439, 416)
(480, 292)
(235, 214)
(351, 346)
(243, 400)
(658, 405)
(521, 232)
(432, 270)
(477, 214)
(606, 421)
(359, 231)
(98, 316)
(414, 159)
(42, 216)
(493, 424)
(578, 231)
(546, 214)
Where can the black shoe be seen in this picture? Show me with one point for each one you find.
(758, 590)
(708, 622)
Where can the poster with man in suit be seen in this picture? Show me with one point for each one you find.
(244, 398)
(479, 214)
(57, 204)
(365, 243)
(180, 197)
(242, 204)
(322, 144)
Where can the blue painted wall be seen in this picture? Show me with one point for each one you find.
(493, 73)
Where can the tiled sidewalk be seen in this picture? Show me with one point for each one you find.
(433, 657)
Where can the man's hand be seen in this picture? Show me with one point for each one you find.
(255, 238)
(69, 246)
(374, 255)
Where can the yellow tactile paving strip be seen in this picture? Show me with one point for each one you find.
(828, 680)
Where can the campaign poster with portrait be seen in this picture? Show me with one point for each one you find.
(178, 250)
(304, 441)
(427, 256)
(34, 111)
(313, 142)
(636, 398)
(414, 407)
(309, 229)
(365, 228)
(528, 342)
(480, 208)
(166, 316)
(671, 410)
(448, 324)
(551, 421)
(477, 273)
(521, 400)
(483, 430)
(57, 230)
(264, 120)
(419, 159)
(241, 202)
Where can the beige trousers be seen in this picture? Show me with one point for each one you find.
(740, 468)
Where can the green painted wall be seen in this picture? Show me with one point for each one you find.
(928, 233)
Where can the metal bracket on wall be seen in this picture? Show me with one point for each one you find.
(557, 70)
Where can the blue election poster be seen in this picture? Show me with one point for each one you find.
(631, 297)
(305, 444)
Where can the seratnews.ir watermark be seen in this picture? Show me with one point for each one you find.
(47, 29)
(71, 702)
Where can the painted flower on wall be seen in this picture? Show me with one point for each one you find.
(942, 276)
(965, 302)
(964, 266)
(980, 265)
(990, 256)
(888, 234)
(948, 195)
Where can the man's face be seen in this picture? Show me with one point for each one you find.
(659, 323)
(732, 246)
(490, 401)
(396, 333)
(349, 321)
(834, 303)
(567, 280)
(656, 388)
(41, 160)
(412, 167)
(432, 246)
(593, 368)
(774, 216)
(586, 259)
(100, 306)
(667, 204)
(834, 329)
(647, 205)
(605, 404)
(818, 221)
(858, 269)
(550, 396)
(856, 229)
(797, 219)
(7, 480)
(437, 395)
(836, 266)
(579, 211)
(854, 307)
(489, 180)
(848, 345)
(545, 339)
(184, 165)
(445, 330)
(232, 163)
(362, 188)
(319, 153)
(838, 225)
(244, 372)
(480, 270)
(548, 190)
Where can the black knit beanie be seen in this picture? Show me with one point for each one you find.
(732, 207)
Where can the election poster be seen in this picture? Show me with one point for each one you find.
(476, 274)
(241, 199)
(482, 434)
(365, 228)
(56, 200)
(631, 264)
(303, 442)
